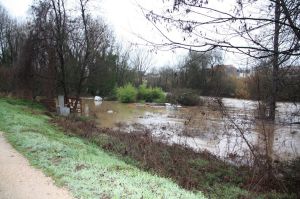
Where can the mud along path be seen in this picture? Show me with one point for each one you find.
(19, 180)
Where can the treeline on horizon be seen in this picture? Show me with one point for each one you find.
(59, 51)
(206, 74)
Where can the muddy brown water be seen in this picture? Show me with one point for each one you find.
(204, 127)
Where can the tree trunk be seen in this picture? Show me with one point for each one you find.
(273, 97)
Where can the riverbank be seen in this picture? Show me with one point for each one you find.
(191, 170)
(93, 162)
(78, 165)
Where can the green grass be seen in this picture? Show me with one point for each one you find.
(85, 169)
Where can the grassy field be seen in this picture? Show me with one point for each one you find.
(85, 169)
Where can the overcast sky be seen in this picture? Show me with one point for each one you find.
(126, 20)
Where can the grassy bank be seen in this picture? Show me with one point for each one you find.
(85, 169)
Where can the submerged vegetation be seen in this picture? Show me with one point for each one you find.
(85, 169)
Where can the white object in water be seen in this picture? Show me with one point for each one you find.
(110, 111)
(98, 98)
(172, 106)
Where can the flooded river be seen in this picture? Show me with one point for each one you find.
(205, 128)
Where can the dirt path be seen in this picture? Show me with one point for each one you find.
(18, 180)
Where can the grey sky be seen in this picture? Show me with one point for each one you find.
(127, 21)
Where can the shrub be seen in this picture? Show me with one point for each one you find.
(189, 99)
(291, 174)
(186, 97)
(151, 94)
(127, 94)
(145, 93)
(158, 95)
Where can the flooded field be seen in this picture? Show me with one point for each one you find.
(205, 128)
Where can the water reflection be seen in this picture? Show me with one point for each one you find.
(204, 128)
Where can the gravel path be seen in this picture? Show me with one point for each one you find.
(19, 180)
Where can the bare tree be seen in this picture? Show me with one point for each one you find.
(51, 28)
(60, 36)
(141, 63)
(12, 42)
(123, 69)
(10, 39)
(69, 42)
(4, 26)
(89, 39)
